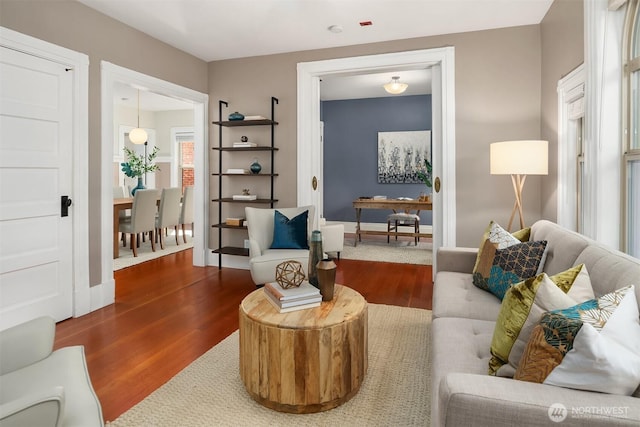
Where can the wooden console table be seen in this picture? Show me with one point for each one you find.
(307, 360)
(394, 205)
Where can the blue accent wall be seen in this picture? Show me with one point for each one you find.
(351, 152)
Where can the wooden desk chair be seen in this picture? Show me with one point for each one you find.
(403, 219)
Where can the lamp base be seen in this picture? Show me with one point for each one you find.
(518, 185)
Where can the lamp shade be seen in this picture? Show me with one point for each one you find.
(395, 87)
(519, 158)
(138, 136)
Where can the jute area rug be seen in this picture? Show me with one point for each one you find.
(126, 258)
(374, 248)
(396, 390)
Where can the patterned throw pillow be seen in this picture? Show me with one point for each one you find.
(494, 238)
(522, 306)
(514, 264)
(592, 346)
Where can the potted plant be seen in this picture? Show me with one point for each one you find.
(136, 166)
(425, 176)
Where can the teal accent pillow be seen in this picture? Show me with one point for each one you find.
(290, 233)
(515, 264)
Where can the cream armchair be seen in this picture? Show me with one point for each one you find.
(41, 387)
(262, 259)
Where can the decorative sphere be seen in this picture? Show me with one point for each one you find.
(289, 274)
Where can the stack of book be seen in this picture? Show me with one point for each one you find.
(292, 299)
(244, 144)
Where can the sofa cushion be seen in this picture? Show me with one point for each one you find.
(290, 233)
(592, 346)
(462, 346)
(455, 296)
(521, 309)
(494, 238)
(563, 246)
(514, 264)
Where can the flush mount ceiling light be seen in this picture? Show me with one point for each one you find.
(335, 29)
(138, 135)
(395, 87)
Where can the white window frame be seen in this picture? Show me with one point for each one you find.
(570, 109)
(630, 64)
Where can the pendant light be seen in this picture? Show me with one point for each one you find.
(395, 87)
(138, 136)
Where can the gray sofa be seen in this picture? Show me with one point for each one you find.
(41, 387)
(463, 394)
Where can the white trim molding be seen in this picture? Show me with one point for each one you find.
(110, 75)
(309, 147)
(603, 118)
(570, 109)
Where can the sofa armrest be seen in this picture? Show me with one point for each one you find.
(42, 408)
(468, 399)
(26, 343)
(460, 260)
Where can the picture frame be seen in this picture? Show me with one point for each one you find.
(401, 155)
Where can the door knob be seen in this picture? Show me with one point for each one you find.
(314, 183)
(436, 184)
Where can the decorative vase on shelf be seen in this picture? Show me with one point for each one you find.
(255, 167)
(236, 116)
(140, 186)
(326, 278)
(315, 256)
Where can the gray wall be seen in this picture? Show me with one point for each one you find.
(497, 86)
(72, 25)
(351, 151)
(562, 32)
(500, 94)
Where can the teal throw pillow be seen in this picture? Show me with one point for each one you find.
(290, 233)
(515, 264)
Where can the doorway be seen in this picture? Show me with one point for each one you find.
(441, 62)
(111, 76)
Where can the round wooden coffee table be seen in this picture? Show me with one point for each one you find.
(304, 361)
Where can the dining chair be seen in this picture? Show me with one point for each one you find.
(169, 212)
(186, 211)
(143, 214)
(119, 192)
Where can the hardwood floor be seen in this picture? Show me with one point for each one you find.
(168, 313)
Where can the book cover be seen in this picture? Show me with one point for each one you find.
(293, 302)
(244, 197)
(238, 171)
(294, 308)
(305, 289)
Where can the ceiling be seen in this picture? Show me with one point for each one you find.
(224, 29)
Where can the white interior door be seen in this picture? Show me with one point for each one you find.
(36, 243)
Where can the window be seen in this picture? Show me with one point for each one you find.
(631, 118)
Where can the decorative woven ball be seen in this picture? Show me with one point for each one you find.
(289, 274)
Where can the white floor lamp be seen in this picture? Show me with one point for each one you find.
(519, 159)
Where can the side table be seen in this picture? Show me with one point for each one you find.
(307, 360)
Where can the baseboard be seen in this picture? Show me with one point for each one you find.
(102, 295)
(350, 227)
